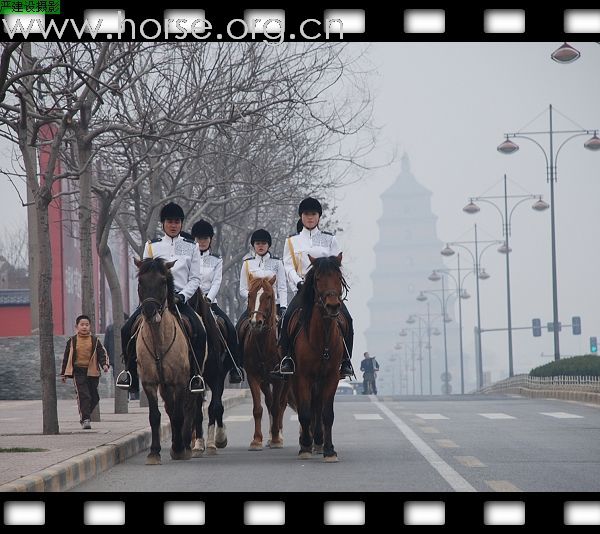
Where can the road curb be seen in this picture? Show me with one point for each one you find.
(579, 396)
(72, 472)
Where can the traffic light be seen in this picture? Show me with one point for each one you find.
(594, 345)
(536, 324)
(576, 322)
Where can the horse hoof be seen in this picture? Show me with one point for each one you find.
(275, 444)
(221, 444)
(220, 437)
(210, 451)
(153, 459)
(187, 454)
(197, 453)
(317, 449)
(331, 459)
(304, 455)
(255, 446)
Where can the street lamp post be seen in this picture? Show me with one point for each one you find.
(427, 324)
(479, 274)
(506, 217)
(509, 147)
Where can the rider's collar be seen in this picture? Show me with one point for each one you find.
(310, 233)
(266, 255)
(167, 236)
(207, 251)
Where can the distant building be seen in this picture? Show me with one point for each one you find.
(407, 252)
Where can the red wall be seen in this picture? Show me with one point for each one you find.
(15, 321)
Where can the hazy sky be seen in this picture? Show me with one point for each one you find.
(447, 105)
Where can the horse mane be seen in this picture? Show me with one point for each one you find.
(158, 265)
(327, 265)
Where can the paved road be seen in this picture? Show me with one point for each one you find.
(501, 443)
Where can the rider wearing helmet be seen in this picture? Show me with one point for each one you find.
(260, 263)
(211, 274)
(310, 240)
(186, 278)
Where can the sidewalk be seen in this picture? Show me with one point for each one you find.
(74, 455)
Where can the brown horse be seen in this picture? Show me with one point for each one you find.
(162, 358)
(318, 344)
(258, 339)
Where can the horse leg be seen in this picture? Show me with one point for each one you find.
(276, 441)
(189, 416)
(154, 416)
(218, 410)
(177, 443)
(317, 423)
(329, 454)
(266, 389)
(211, 447)
(303, 395)
(198, 449)
(256, 443)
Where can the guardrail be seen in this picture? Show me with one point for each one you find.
(570, 388)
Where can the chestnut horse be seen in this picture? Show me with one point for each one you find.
(318, 345)
(258, 339)
(162, 358)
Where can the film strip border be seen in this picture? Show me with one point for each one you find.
(373, 510)
(56, 20)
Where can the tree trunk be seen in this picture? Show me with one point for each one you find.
(88, 303)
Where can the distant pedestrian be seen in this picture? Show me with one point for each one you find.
(369, 367)
(84, 357)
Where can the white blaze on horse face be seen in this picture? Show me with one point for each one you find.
(259, 294)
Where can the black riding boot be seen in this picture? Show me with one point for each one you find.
(346, 369)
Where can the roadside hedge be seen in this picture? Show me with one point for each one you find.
(588, 365)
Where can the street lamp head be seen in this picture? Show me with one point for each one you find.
(422, 297)
(403, 333)
(434, 276)
(447, 319)
(411, 319)
(593, 143)
(503, 249)
(471, 208)
(507, 147)
(447, 251)
(483, 275)
(464, 294)
(565, 54)
(540, 205)
(435, 332)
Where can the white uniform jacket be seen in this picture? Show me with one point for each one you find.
(211, 274)
(297, 248)
(186, 271)
(264, 267)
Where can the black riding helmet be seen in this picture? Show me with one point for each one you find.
(203, 228)
(310, 204)
(171, 211)
(260, 235)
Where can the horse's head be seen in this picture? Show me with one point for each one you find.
(261, 302)
(155, 287)
(327, 282)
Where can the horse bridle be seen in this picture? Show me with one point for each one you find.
(323, 296)
(160, 305)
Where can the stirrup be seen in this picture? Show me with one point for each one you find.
(293, 366)
(196, 384)
(127, 376)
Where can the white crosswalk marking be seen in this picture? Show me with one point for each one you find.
(237, 418)
(497, 416)
(562, 415)
(431, 416)
(367, 416)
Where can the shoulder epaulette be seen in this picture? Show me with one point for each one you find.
(275, 258)
(293, 235)
(215, 255)
(328, 233)
(247, 257)
(186, 236)
(156, 240)
(189, 240)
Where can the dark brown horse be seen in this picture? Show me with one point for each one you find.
(318, 344)
(258, 338)
(214, 369)
(162, 358)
